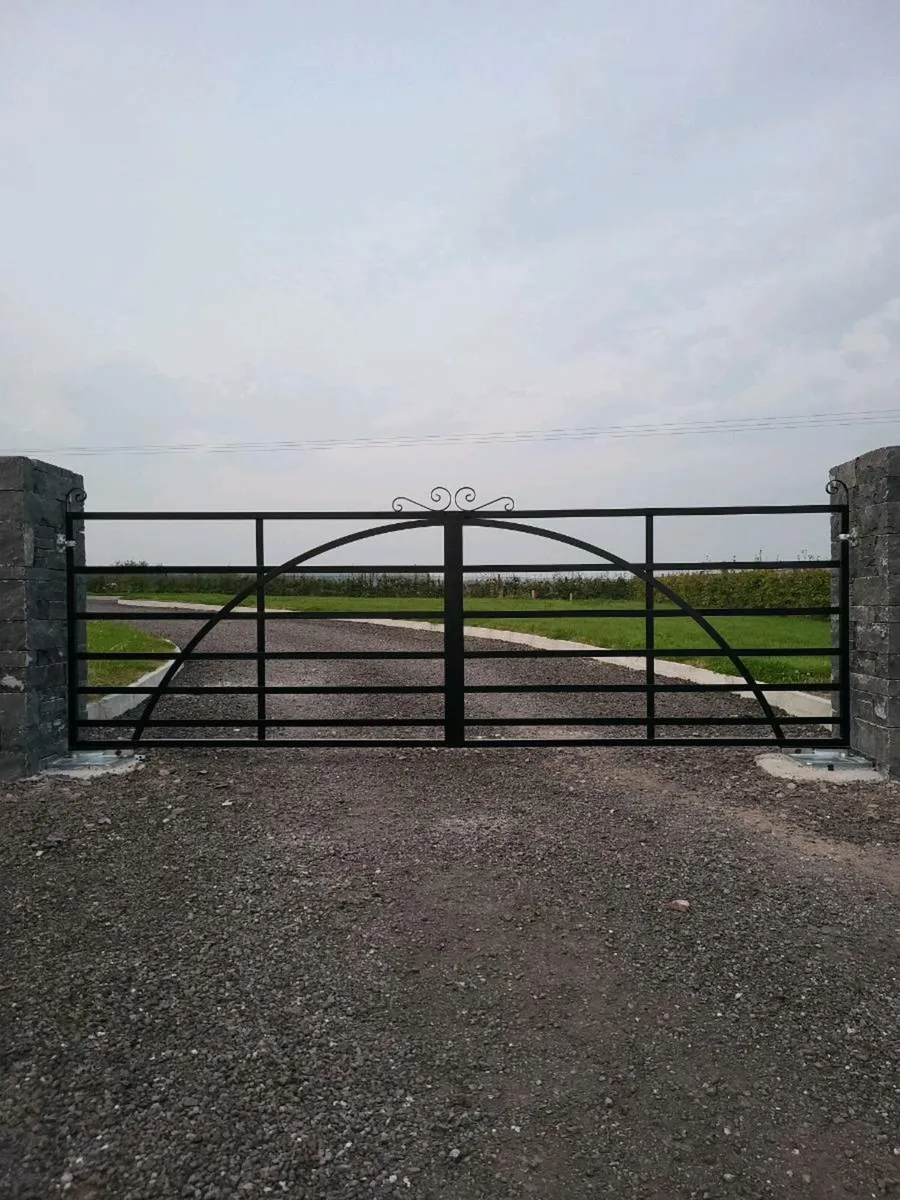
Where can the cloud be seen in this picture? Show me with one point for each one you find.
(298, 224)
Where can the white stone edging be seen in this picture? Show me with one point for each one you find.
(117, 704)
(795, 704)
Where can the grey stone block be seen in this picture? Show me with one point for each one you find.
(874, 552)
(872, 741)
(16, 474)
(870, 685)
(873, 495)
(875, 637)
(869, 518)
(13, 635)
(14, 764)
(866, 589)
(33, 613)
(12, 599)
(15, 544)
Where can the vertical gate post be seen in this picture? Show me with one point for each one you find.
(259, 525)
(454, 632)
(649, 627)
(33, 623)
(868, 544)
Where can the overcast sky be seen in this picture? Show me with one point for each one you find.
(227, 221)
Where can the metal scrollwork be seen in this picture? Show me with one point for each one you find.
(834, 486)
(463, 499)
(441, 499)
(76, 496)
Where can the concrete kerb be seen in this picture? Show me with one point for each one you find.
(117, 704)
(795, 704)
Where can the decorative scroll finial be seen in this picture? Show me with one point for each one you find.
(462, 499)
(76, 496)
(833, 486)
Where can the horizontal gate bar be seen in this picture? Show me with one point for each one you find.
(303, 569)
(423, 743)
(249, 614)
(431, 614)
(237, 515)
(603, 721)
(641, 688)
(475, 614)
(414, 722)
(243, 743)
(276, 690)
(253, 655)
(350, 655)
(670, 652)
(255, 723)
(435, 689)
(801, 564)
(755, 510)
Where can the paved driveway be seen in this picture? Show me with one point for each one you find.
(452, 974)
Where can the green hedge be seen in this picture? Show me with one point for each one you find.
(753, 588)
(703, 589)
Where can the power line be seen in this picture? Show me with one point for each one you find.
(592, 433)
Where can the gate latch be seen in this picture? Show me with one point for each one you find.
(64, 543)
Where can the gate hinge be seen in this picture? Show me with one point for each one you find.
(64, 543)
(852, 537)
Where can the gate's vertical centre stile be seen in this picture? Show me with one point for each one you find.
(261, 629)
(454, 632)
(649, 627)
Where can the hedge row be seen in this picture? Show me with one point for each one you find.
(703, 589)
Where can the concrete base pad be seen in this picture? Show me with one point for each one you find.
(93, 764)
(784, 766)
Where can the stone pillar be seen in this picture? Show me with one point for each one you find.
(33, 629)
(872, 484)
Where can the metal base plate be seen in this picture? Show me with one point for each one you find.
(827, 759)
(85, 763)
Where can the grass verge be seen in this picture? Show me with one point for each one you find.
(107, 637)
(621, 633)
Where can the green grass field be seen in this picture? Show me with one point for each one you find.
(107, 637)
(624, 633)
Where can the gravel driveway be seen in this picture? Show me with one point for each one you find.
(414, 973)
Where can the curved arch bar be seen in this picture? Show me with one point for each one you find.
(244, 594)
(660, 587)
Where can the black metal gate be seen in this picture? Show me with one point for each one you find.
(454, 514)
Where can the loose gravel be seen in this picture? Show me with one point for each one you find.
(416, 973)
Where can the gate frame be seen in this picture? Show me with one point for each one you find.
(454, 512)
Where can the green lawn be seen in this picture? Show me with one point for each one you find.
(108, 637)
(614, 632)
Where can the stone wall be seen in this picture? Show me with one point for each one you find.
(33, 629)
